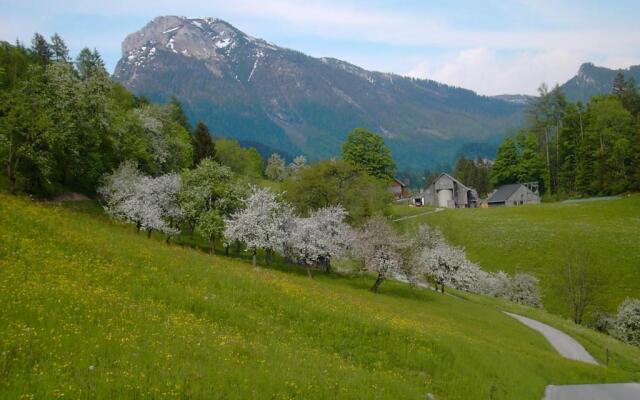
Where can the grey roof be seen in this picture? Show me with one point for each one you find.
(503, 193)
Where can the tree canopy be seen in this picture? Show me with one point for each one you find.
(367, 151)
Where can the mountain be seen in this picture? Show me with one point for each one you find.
(592, 80)
(254, 91)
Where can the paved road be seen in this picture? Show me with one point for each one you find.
(618, 391)
(567, 346)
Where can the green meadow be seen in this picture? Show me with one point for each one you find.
(540, 238)
(90, 309)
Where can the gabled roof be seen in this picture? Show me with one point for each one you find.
(503, 193)
(399, 181)
(453, 179)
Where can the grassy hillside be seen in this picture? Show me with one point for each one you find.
(538, 239)
(90, 309)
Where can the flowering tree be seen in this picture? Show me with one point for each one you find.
(379, 247)
(265, 222)
(119, 193)
(150, 203)
(626, 325)
(297, 164)
(316, 240)
(445, 264)
(275, 167)
(158, 200)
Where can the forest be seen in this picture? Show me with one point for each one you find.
(575, 149)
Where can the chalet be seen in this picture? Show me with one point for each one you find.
(516, 194)
(398, 188)
(448, 192)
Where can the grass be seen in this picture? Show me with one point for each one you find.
(89, 309)
(538, 238)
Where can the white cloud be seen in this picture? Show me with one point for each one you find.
(488, 72)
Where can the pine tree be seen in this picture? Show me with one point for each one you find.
(203, 145)
(59, 48)
(89, 62)
(177, 112)
(619, 85)
(41, 49)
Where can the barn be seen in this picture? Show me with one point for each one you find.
(448, 192)
(515, 194)
(398, 188)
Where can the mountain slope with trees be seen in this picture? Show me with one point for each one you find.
(592, 80)
(253, 90)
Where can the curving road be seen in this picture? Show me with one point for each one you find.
(568, 347)
(564, 344)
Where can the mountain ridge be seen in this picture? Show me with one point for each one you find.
(592, 80)
(253, 90)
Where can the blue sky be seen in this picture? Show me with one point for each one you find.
(492, 47)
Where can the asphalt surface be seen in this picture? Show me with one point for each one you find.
(616, 391)
(564, 344)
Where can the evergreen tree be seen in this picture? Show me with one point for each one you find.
(178, 114)
(41, 49)
(89, 63)
(59, 49)
(203, 146)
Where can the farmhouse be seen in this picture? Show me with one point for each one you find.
(447, 191)
(398, 188)
(516, 194)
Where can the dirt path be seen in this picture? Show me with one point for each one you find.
(418, 215)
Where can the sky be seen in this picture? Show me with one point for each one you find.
(492, 47)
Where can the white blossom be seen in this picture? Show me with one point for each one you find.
(320, 237)
(264, 223)
(626, 325)
(150, 203)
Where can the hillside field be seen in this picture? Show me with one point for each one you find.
(540, 238)
(90, 309)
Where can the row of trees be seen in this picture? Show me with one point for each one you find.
(576, 149)
(208, 200)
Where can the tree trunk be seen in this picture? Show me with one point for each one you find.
(149, 233)
(309, 272)
(255, 264)
(238, 248)
(377, 283)
(326, 265)
(267, 256)
(168, 239)
(226, 250)
(138, 227)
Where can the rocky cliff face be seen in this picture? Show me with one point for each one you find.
(253, 90)
(592, 80)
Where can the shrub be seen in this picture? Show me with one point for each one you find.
(626, 326)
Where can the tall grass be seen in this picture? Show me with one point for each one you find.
(89, 309)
